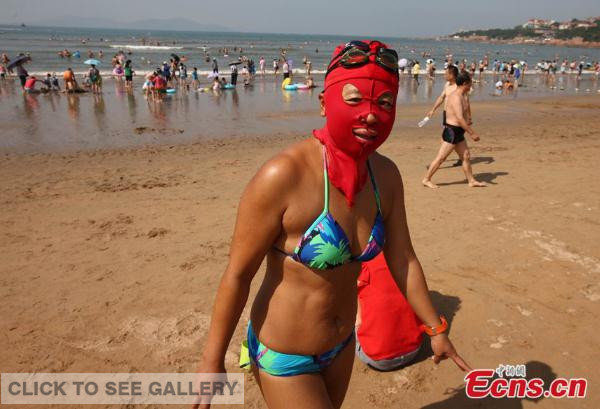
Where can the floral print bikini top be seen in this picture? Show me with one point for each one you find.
(325, 244)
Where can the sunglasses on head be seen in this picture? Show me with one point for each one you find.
(356, 54)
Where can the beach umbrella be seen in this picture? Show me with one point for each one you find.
(18, 61)
(403, 62)
(92, 61)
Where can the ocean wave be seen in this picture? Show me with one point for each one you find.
(146, 47)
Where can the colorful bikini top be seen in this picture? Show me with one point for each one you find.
(325, 244)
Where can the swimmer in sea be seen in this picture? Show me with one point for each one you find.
(453, 135)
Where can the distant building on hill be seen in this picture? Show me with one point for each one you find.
(565, 25)
(585, 24)
(541, 24)
(536, 23)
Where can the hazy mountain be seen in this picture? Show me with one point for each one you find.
(156, 24)
(176, 24)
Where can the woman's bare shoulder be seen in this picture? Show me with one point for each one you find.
(385, 168)
(389, 181)
(282, 171)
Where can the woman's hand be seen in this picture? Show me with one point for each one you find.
(205, 373)
(443, 349)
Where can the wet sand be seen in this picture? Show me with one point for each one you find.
(111, 258)
(121, 119)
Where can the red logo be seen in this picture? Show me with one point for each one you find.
(482, 383)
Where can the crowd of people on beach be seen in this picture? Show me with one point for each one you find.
(170, 76)
(508, 74)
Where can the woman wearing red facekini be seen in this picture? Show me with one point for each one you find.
(316, 211)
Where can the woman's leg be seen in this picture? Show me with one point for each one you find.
(325, 390)
(290, 392)
(337, 375)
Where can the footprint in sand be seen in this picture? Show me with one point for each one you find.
(164, 335)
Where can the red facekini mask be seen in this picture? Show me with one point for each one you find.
(348, 135)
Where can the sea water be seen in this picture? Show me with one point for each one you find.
(148, 49)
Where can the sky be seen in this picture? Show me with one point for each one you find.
(393, 18)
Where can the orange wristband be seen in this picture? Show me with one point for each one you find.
(437, 329)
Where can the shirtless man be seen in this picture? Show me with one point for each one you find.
(453, 138)
(449, 88)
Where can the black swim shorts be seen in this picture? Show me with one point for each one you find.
(453, 134)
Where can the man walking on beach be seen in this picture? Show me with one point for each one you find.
(449, 88)
(453, 135)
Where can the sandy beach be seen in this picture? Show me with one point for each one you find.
(111, 258)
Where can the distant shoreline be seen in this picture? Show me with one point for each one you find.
(527, 41)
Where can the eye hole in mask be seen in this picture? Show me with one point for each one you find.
(352, 96)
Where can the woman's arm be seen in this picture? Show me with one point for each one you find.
(257, 226)
(407, 271)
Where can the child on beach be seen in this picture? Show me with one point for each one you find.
(2, 71)
(159, 85)
(166, 71)
(69, 79)
(216, 87)
(195, 81)
(48, 83)
(183, 76)
(246, 76)
(29, 86)
(54, 82)
(118, 72)
(86, 83)
(148, 84)
(128, 74)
